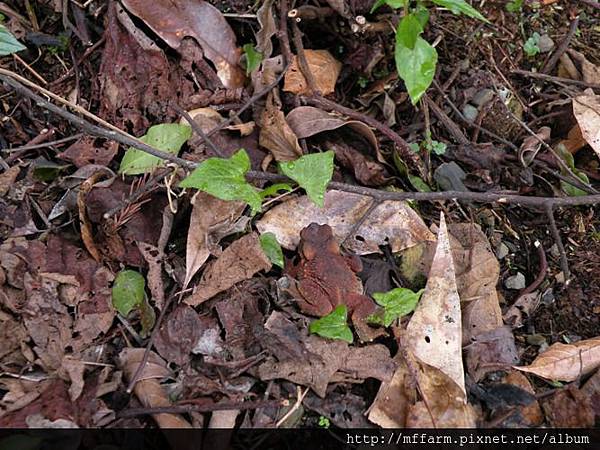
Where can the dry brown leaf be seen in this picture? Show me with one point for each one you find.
(569, 408)
(324, 67)
(206, 118)
(238, 262)
(173, 21)
(178, 335)
(211, 220)
(390, 407)
(276, 135)
(586, 108)
(444, 403)
(566, 362)
(567, 69)
(245, 129)
(74, 370)
(491, 351)
(392, 222)
(307, 121)
(528, 415)
(7, 178)
(478, 271)
(148, 389)
(590, 72)
(154, 257)
(435, 331)
(575, 140)
(267, 30)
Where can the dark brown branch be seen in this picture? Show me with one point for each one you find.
(562, 48)
(553, 79)
(197, 129)
(564, 262)
(543, 263)
(182, 409)
(484, 197)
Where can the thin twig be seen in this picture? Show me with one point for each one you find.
(543, 263)
(553, 79)
(302, 61)
(374, 204)
(562, 48)
(564, 262)
(183, 409)
(43, 145)
(248, 104)
(197, 129)
(484, 197)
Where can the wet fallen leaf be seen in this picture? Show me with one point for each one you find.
(524, 305)
(90, 150)
(7, 178)
(569, 408)
(392, 222)
(586, 108)
(178, 335)
(200, 20)
(434, 331)
(211, 220)
(324, 67)
(238, 262)
(528, 415)
(366, 170)
(313, 361)
(591, 388)
(492, 350)
(307, 121)
(276, 135)
(148, 389)
(566, 362)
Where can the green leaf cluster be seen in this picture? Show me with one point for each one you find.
(416, 59)
(128, 294)
(531, 46)
(272, 249)
(9, 43)
(514, 6)
(168, 137)
(334, 325)
(225, 178)
(396, 303)
(570, 190)
(253, 58)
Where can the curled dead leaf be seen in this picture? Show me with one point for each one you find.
(324, 67)
(238, 262)
(566, 362)
(307, 121)
(586, 108)
(173, 21)
(276, 135)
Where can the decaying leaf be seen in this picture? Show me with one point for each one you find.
(569, 408)
(434, 332)
(148, 389)
(444, 404)
(566, 362)
(575, 140)
(276, 135)
(390, 408)
(392, 222)
(7, 178)
(491, 351)
(238, 262)
(586, 108)
(267, 30)
(315, 362)
(324, 67)
(211, 220)
(178, 335)
(307, 121)
(173, 21)
(590, 72)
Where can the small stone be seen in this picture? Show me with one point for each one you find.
(545, 44)
(516, 281)
(470, 112)
(536, 339)
(554, 251)
(482, 97)
(502, 251)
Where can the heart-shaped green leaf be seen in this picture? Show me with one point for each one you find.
(334, 325)
(312, 172)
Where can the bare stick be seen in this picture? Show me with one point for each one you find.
(562, 48)
(564, 262)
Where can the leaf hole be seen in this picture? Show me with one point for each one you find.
(427, 339)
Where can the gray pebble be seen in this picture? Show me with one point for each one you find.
(516, 281)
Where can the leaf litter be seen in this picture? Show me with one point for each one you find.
(215, 279)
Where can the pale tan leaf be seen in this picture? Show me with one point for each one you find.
(590, 72)
(211, 219)
(324, 67)
(148, 389)
(391, 222)
(390, 407)
(444, 403)
(267, 30)
(307, 121)
(245, 128)
(7, 178)
(276, 135)
(206, 118)
(434, 332)
(238, 262)
(566, 362)
(173, 21)
(586, 109)
(575, 140)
